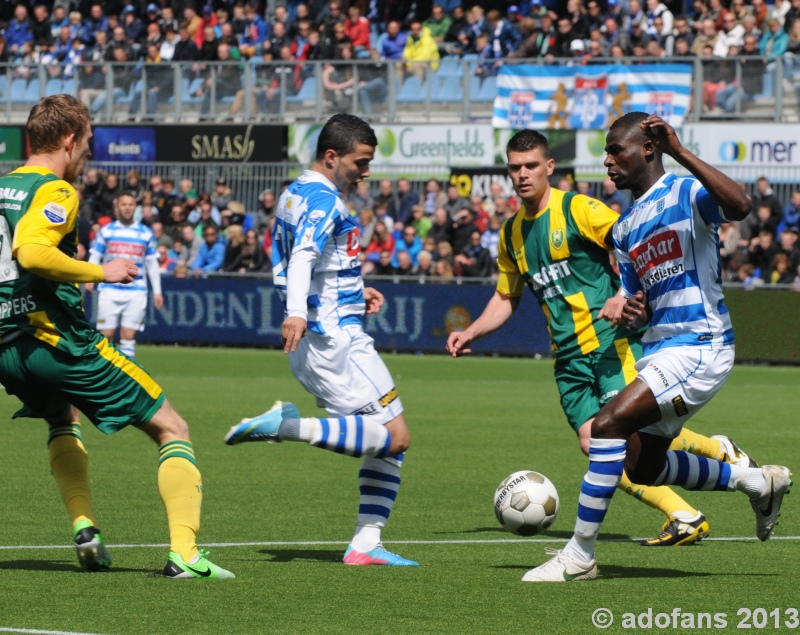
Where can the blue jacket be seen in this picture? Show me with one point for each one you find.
(507, 37)
(392, 48)
(18, 33)
(210, 258)
(413, 250)
(779, 43)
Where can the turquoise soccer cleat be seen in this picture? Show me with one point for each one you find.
(264, 427)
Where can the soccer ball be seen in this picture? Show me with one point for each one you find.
(526, 503)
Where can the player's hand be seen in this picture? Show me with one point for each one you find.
(612, 310)
(89, 287)
(374, 300)
(635, 312)
(662, 135)
(458, 342)
(292, 331)
(158, 301)
(119, 270)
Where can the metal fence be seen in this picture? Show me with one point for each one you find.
(385, 92)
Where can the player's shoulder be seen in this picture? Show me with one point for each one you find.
(58, 191)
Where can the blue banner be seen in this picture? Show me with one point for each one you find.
(589, 97)
(124, 143)
(416, 317)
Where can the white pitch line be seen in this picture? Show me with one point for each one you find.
(318, 543)
(34, 631)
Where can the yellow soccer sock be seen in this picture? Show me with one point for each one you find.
(662, 498)
(69, 463)
(698, 444)
(181, 489)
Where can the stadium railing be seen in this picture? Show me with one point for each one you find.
(448, 92)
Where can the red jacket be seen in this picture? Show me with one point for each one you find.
(358, 32)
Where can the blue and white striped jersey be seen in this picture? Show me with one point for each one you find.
(311, 215)
(134, 242)
(667, 247)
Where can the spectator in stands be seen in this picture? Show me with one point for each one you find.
(474, 261)
(610, 194)
(337, 78)
(463, 226)
(434, 197)
(420, 52)
(185, 49)
(729, 237)
(358, 30)
(204, 215)
(657, 9)
(406, 199)
(87, 29)
(490, 239)
(152, 35)
(444, 251)
(504, 35)
(394, 42)
(372, 88)
(330, 16)
(365, 221)
(119, 41)
(40, 23)
(487, 62)
(222, 194)
(275, 41)
(58, 20)
(424, 268)
(382, 240)
(300, 43)
(780, 271)
(442, 226)
(438, 25)
(707, 36)
(63, 44)
(161, 237)
(564, 37)
(228, 83)
(452, 44)
(752, 77)
(133, 185)
(790, 246)
(251, 258)
(765, 196)
(288, 69)
(772, 45)
(386, 196)
(404, 266)
(18, 31)
(791, 213)
(455, 201)
(233, 248)
(207, 51)
(762, 252)
(110, 190)
(167, 49)
(360, 198)
(731, 34)
(166, 20)
(792, 15)
(383, 266)
(191, 242)
(131, 24)
(211, 254)
(480, 215)
(420, 221)
(146, 212)
(410, 243)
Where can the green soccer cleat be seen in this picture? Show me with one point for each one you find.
(92, 552)
(177, 568)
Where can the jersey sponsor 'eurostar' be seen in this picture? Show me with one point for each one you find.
(311, 215)
(668, 247)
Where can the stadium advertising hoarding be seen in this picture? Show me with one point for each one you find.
(239, 144)
(478, 181)
(416, 317)
(13, 143)
(409, 145)
(588, 97)
(124, 143)
(756, 144)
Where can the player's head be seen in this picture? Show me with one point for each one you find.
(126, 206)
(529, 164)
(60, 126)
(630, 152)
(345, 148)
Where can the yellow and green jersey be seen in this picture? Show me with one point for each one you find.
(36, 207)
(561, 254)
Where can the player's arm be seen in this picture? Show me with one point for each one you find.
(735, 204)
(497, 312)
(52, 217)
(154, 276)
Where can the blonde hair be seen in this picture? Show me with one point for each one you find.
(235, 235)
(54, 118)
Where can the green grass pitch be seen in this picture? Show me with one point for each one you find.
(473, 422)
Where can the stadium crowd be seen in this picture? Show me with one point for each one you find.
(423, 232)
(70, 39)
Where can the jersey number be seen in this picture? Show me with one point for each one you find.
(8, 266)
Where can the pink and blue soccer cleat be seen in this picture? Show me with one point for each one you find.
(378, 556)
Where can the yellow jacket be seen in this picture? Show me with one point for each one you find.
(424, 49)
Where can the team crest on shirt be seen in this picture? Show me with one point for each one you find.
(557, 238)
(55, 213)
(624, 228)
(289, 203)
(315, 217)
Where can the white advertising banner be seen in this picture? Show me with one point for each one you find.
(399, 145)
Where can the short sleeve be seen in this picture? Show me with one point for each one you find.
(318, 223)
(594, 220)
(510, 282)
(708, 208)
(50, 217)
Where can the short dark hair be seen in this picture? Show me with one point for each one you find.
(527, 140)
(629, 121)
(342, 133)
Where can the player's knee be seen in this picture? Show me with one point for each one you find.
(642, 473)
(401, 437)
(167, 425)
(603, 426)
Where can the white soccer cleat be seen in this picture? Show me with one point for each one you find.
(564, 566)
(767, 506)
(733, 453)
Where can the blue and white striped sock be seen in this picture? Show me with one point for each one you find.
(606, 464)
(700, 473)
(378, 484)
(353, 435)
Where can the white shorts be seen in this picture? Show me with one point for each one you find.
(683, 380)
(346, 375)
(121, 308)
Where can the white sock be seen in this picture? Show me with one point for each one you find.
(128, 347)
(353, 435)
(366, 538)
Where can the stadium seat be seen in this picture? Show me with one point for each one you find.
(307, 92)
(488, 90)
(54, 86)
(451, 90)
(18, 90)
(184, 89)
(136, 87)
(449, 67)
(412, 91)
(68, 88)
(32, 93)
(3, 86)
(474, 86)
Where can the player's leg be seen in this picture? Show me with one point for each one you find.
(131, 322)
(24, 365)
(181, 487)
(719, 447)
